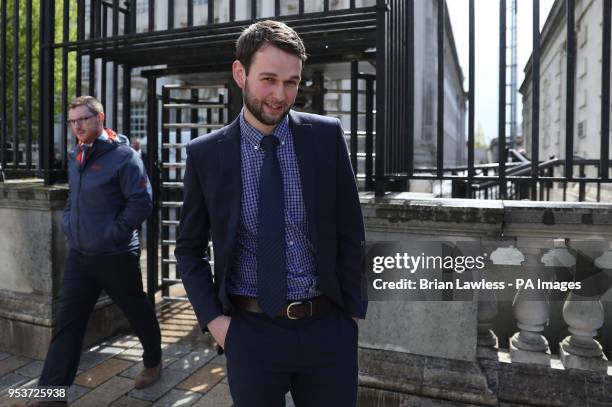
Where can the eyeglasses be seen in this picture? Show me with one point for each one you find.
(80, 120)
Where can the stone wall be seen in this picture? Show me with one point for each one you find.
(32, 253)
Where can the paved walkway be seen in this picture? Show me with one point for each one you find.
(193, 374)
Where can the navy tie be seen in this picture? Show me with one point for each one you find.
(271, 256)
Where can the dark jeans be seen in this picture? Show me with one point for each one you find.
(85, 277)
(313, 358)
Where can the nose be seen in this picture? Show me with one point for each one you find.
(279, 93)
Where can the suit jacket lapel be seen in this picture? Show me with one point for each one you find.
(229, 192)
(304, 146)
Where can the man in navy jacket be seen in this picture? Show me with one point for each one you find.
(276, 192)
(110, 196)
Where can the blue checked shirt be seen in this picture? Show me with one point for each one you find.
(301, 275)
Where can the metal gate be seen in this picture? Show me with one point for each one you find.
(187, 111)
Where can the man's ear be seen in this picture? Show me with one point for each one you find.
(239, 74)
(101, 117)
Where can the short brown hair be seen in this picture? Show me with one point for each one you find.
(91, 103)
(270, 32)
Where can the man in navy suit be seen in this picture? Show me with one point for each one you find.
(276, 192)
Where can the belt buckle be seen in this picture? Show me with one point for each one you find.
(297, 303)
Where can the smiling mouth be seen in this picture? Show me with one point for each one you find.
(273, 107)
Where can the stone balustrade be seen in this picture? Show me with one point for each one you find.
(532, 349)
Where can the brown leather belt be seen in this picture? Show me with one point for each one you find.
(293, 310)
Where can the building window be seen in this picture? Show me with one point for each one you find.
(428, 118)
(582, 129)
(546, 140)
(582, 35)
(138, 120)
(583, 67)
(142, 7)
(585, 98)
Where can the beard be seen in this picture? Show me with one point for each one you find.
(256, 107)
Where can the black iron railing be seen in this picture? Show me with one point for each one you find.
(396, 164)
(59, 62)
(92, 47)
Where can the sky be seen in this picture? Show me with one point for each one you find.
(486, 17)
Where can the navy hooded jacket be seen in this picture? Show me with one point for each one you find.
(110, 197)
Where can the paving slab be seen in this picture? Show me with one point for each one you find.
(32, 369)
(6, 401)
(176, 398)
(171, 339)
(219, 396)
(29, 383)
(106, 393)
(204, 379)
(127, 401)
(4, 355)
(122, 341)
(75, 392)
(169, 378)
(193, 361)
(12, 381)
(97, 355)
(178, 328)
(176, 350)
(13, 363)
(220, 360)
(135, 369)
(131, 354)
(99, 374)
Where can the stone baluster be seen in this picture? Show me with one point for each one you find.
(583, 311)
(531, 308)
(487, 340)
(488, 344)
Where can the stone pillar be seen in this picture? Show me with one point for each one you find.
(32, 252)
(531, 309)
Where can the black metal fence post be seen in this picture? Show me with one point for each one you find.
(604, 166)
(3, 125)
(15, 113)
(440, 91)
(369, 141)
(501, 145)
(471, 92)
(569, 113)
(64, 98)
(535, 98)
(47, 65)
(153, 171)
(127, 100)
(409, 93)
(28, 86)
(381, 47)
(354, 113)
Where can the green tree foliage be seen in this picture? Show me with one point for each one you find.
(35, 52)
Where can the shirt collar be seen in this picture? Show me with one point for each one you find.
(103, 137)
(254, 136)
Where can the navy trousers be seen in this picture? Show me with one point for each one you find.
(314, 358)
(84, 278)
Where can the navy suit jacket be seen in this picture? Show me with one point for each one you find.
(211, 208)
